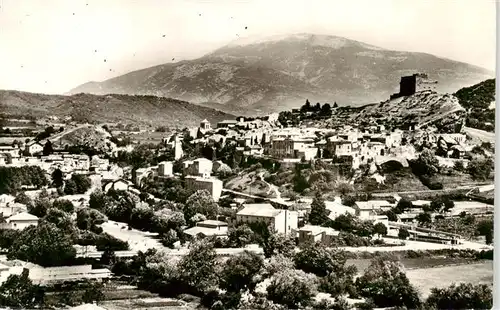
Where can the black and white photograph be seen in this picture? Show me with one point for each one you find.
(247, 154)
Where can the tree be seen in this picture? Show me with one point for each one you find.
(278, 243)
(57, 178)
(344, 188)
(93, 293)
(23, 198)
(424, 218)
(403, 234)
(462, 296)
(258, 303)
(45, 245)
(98, 200)
(326, 110)
(198, 217)
(169, 238)
(320, 260)
(108, 257)
(18, 291)
(292, 288)
(141, 217)
(239, 271)
(198, 269)
(349, 201)
(106, 242)
(380, 229)
(344, 222)
(403, 205)
(62, 220)
(306, 107)
(70, 187)
(326, 304)
(90, 219)
(300, 183)
(441, 204)
(240, 236)
(141, 156)
(64, 205)
(329, 264)
(385, 282)
(200, 202)
(12, 178)
(365, 229)
(485, 228)
(39, 207)
(459, 166)
(7, 237)
(426, 164)
(319, 213)
(82, 182)
(480, 168)
(166, 220)
(391, 215)
(47, 148)
(199, 134)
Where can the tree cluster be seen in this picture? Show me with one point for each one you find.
(13, 178)
(78, 184)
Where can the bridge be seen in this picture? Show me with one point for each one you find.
(381, 160)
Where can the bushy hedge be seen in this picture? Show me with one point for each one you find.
(455, 253)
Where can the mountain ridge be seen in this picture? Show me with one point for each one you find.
(280, 73)
(134, 109)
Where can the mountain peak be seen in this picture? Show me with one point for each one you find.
(279, 72)
(329, 41)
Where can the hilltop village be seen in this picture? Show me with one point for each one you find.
(292, 195)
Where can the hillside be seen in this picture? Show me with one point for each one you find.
(91, 136)
(278, 73)
(140, 110)
(421, 109)
(479, 100)
(479, 96)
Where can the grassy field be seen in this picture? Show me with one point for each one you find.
(426, 273)
(425, 279)
(415, 263)
(454, 180)
(148, 137)
(147, 303)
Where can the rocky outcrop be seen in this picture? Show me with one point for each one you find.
(420, 110)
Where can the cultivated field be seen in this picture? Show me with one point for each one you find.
(428, 272)
(425, 279)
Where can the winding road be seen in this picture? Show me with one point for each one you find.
(271, 187)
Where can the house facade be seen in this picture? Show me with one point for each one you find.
(212, 185)
(280, 221)
(314, 234)
(20, 221)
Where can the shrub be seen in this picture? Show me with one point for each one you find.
(462, 296)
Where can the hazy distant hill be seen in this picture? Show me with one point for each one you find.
(278, 73)
(156, 111)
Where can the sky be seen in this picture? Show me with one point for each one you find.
(52, 46)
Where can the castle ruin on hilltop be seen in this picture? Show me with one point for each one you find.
(411, 84)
